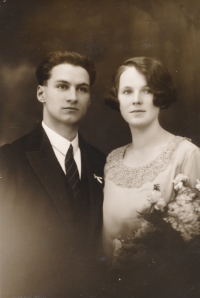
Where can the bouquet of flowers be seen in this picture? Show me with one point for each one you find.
(167, 229)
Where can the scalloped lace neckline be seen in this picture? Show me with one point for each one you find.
(126, 176)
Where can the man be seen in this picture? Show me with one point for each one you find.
(51, 189)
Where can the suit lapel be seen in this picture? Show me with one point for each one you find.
(95, 187)
(44, 162)
(47, 168)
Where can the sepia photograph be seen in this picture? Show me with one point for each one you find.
(99, 149)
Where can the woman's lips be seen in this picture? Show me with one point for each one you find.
(137, 111)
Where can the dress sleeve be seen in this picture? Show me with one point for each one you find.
(191, 165)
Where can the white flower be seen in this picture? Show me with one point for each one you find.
(144, 224)
(154, 196)
(191, 195)
(160, 204)
(198, 185)
(147, 204)
(117, 243)
(178, 185)
(183, 198)
(179, 181)
(181, 177)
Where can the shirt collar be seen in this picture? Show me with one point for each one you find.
(58, 142)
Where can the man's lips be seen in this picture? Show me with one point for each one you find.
(71, 108)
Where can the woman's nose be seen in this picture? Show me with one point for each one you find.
(137, 99)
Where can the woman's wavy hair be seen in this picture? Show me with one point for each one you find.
(158, 79)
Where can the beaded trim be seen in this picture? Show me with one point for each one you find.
(136, 177)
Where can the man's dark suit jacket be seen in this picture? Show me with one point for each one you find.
(47, 246)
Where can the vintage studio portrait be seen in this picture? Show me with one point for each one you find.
(99, 149)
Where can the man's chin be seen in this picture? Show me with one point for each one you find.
(70, 120)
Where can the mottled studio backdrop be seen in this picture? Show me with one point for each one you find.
(109, 32)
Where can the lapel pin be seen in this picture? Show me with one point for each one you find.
(98, 178)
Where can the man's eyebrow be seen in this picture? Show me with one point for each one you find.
(62, 81)
(84, 84)
(66, 82)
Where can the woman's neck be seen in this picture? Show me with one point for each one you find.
(145, 137)
(147, 144)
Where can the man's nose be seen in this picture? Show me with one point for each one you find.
(72, 94)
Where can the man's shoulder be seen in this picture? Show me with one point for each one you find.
(14, 155)
(91, 150)
(94, 150)
(23, 142)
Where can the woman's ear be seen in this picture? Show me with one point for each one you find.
(41, 93)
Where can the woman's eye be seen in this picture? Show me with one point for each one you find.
(146, 91)
(126, 92)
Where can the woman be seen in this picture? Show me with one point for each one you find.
(142, 86)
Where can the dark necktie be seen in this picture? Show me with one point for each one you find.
(72, 174)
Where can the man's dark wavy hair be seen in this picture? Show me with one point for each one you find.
(43, 72)
(158, 79)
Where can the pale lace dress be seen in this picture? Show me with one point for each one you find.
(126, 189)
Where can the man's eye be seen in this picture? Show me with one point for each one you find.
(62, 87)
(83, 89)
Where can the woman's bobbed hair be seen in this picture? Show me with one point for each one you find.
(158, 79)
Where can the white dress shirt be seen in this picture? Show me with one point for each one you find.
(61, 145)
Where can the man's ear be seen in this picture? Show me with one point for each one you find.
(41, 93)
